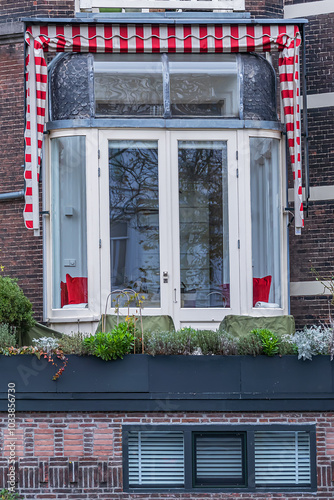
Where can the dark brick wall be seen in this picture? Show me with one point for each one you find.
(311, 310)
(79, 455)
(320, 53)
(321, 151)
(265, 8)
(14, 10)
(315, 245)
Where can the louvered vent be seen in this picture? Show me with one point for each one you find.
(282, 458)
(156, 459)
(219, 459)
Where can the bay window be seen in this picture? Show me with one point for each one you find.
(173, 188)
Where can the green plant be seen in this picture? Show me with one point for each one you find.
(111, 345)
(73, 344)
(15, 308)
(7, 336)
(269, 341)
(8, 495)
(249, 345)
(216, 342)
(171, 343)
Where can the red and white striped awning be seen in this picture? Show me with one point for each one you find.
(155, 38)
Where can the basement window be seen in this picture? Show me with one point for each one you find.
(186, 458)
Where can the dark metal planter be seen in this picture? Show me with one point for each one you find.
(170, 383)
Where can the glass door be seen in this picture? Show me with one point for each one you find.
(169, 225)
(133, 213)
(205, 225)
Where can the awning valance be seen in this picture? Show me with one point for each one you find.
(155, 38)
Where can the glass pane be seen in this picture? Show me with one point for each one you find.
(203, 87)
(134, 218)
(219, 460)
(69, 231)
(203, 207)
(128, 85)
(266, 210)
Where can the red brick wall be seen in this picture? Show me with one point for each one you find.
(81, 453)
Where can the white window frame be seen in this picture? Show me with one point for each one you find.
(98, 247)
(92, 312)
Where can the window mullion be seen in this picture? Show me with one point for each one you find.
(188, 459)
(250, 460)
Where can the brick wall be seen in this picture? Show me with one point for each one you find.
(265, 8)
(320, 53)
(79, 455)
(21, 253)
(315, 245)
(13, 10)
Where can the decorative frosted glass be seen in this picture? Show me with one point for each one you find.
(127, 85)
(203, 87)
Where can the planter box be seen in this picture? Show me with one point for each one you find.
(171, 383)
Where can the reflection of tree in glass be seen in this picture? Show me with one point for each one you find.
(134, 212)
(133, 180)
(200, 184)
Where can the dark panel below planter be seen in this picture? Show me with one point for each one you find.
(286, 375)
(207, 374)
(170, 384)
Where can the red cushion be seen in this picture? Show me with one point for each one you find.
(77, 290)
(63, 294)
(261, 289)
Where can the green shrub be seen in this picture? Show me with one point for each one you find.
(8, 336)
(7, 495)
(208, 341)
(189, 341)
(73, 344)
(269, 341)
(168, 343)
(15, 308)
(249, 345)
(111, 345)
